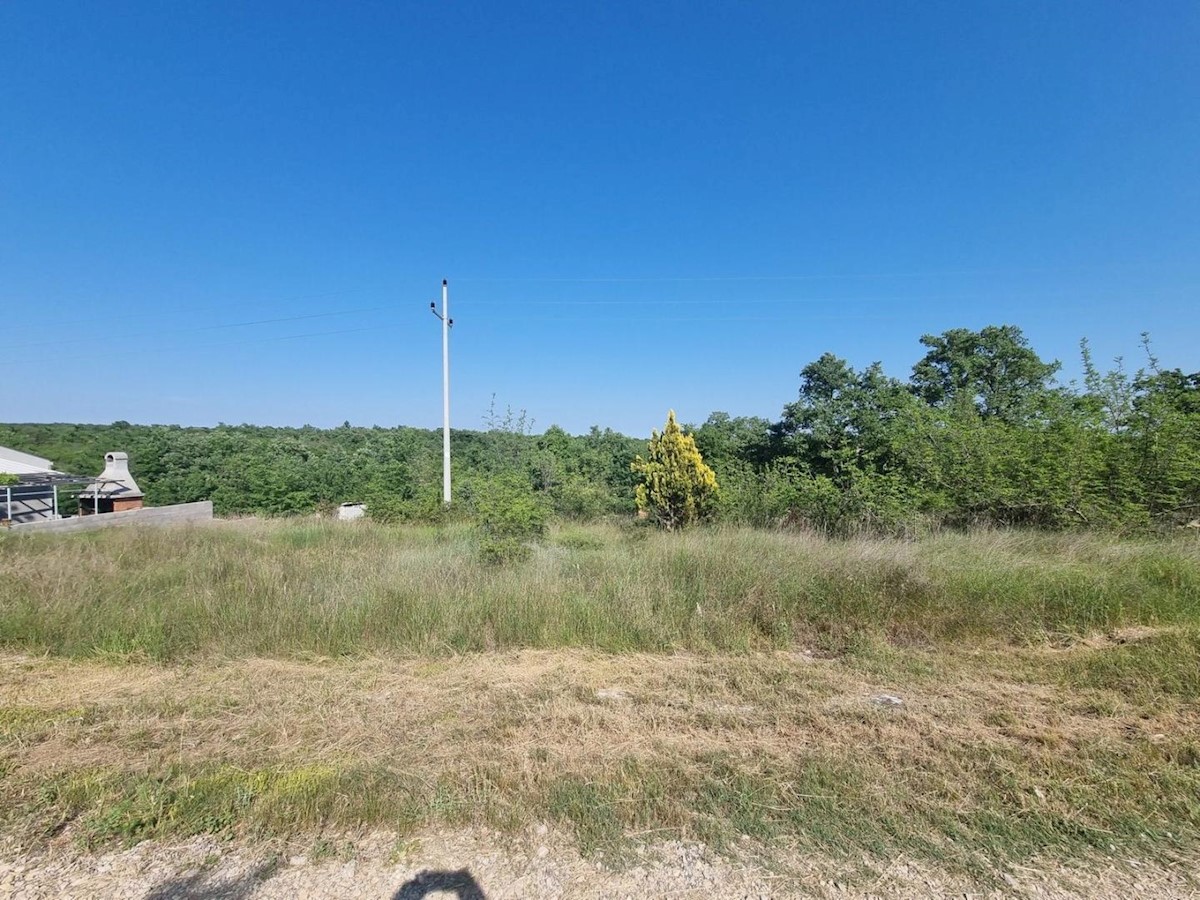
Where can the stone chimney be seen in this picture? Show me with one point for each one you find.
(114, 490)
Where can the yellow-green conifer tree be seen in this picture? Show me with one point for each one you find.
(677, 487)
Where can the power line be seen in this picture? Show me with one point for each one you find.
(904, 306)
(107, 302)
(293, 337)
(952, 298)
(806, 276)
(907, 306)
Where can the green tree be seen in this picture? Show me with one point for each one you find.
(842, 425)
(676, 488)
(993, 370)
(728, 439)
(510, 515)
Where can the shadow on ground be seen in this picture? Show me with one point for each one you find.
(461, 883)
(203, 886)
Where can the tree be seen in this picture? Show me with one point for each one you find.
(677, 488)
(993, 370)
(508, 435)
(727, 439)
(843, 422)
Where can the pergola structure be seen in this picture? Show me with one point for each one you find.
(35, 492)
(35, 496)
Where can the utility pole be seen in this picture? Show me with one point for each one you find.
(447, 322)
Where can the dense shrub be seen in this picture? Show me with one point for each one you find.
(510, 515)
(675, 486)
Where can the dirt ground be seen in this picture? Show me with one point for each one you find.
(540, 863)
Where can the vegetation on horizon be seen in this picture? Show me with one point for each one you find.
(980, 434)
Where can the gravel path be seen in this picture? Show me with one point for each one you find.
(472, 865)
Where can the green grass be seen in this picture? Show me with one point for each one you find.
(305, 589)
(1148, 671)
(827, 803)
(1051, 687)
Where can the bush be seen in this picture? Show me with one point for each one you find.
(496, 550)
(676, 488)
(765, 498)
(785, 494)
(510, 515)
(579, 498)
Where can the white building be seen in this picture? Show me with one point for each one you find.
(14, 462)
(350, 511)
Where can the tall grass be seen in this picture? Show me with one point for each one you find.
(327, 589)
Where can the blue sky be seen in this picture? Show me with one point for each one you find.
(240, 212)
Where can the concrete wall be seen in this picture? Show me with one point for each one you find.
(151, 516)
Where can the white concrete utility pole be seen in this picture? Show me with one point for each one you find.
(447, 322)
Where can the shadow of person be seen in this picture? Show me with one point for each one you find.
(203, 886)
(461, 883)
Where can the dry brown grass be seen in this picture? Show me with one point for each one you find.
(988, 757)
(456, 713)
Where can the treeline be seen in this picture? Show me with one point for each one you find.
(979, 433)
(251, 469)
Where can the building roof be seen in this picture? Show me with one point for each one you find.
(33, 471)
(14, 462)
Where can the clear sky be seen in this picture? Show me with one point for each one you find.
(240, 212)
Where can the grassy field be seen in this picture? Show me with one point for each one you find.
(274, 678)
(320, 589)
